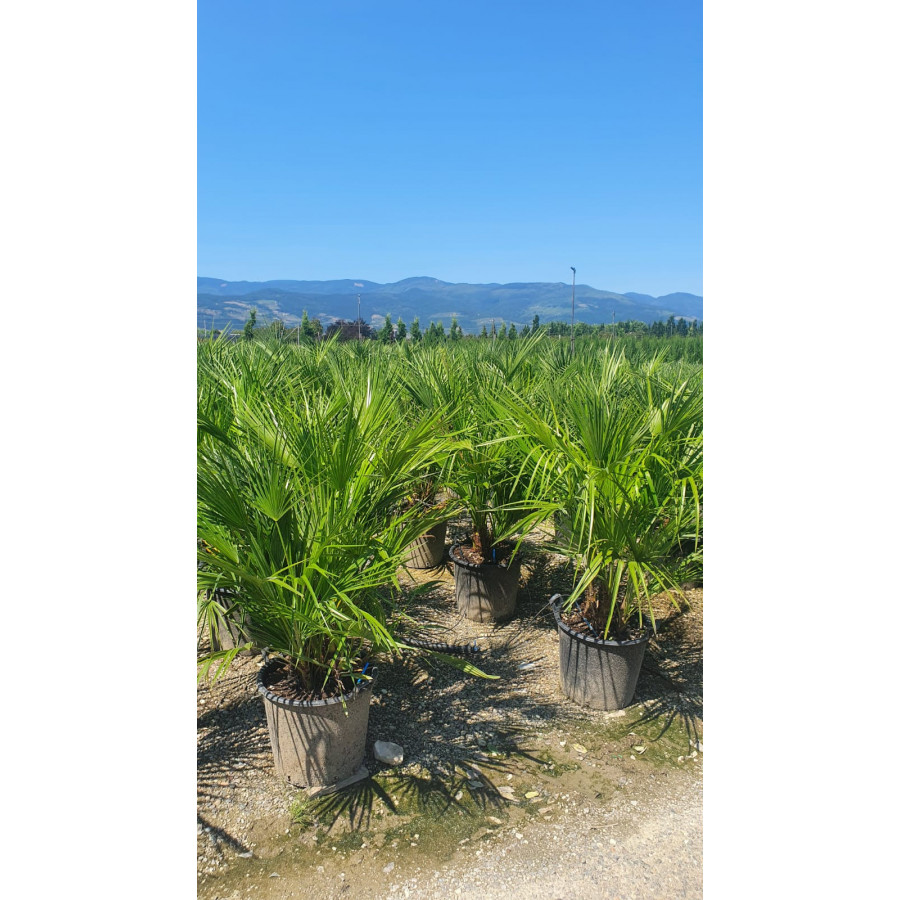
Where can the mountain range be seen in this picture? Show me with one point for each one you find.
(221, 302)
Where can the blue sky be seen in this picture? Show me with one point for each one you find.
(478, 142)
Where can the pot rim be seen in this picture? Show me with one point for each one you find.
(432, 531)
(278, 700)
(556, 606)
(469, 565)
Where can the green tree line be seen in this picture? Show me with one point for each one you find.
(435, 333)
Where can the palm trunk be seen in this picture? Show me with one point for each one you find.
(597, 605)
(482, 539)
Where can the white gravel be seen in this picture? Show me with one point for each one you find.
(657, 852)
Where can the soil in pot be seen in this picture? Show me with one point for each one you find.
(315, 741)
(485, 591)
(427, 551)
(597, 673)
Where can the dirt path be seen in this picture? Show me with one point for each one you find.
(573, 781)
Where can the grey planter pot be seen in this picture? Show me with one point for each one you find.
(231, 629)
(427, 551)
(316, 743)
(596, 673)
(562, 529)
(485, 593)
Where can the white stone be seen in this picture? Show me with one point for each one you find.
(388, 752)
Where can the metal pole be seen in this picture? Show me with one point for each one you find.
(358, 322)
(573, 310)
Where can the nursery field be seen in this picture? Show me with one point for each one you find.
(487, 555)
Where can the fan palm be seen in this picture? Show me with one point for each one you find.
(621, 450)
(299, 489)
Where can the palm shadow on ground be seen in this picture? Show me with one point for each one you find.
(671, 684)
(232, 739)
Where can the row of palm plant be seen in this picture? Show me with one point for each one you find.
(319, 467)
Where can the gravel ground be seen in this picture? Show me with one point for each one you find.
(650, 851)
(503, 782)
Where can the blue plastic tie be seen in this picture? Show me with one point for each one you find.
(366, 666)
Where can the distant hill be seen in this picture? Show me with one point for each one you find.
(430, 299)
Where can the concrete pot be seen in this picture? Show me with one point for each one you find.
(231, 629)
(596, 673)
(320, 742)
(485, 593)
(562, 529)
(427, 551)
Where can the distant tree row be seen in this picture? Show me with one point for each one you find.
(358, 329)
(670, 328)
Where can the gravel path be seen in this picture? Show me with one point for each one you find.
(656, 855)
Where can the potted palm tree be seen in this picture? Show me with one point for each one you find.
(626, 450)
(427, 551)
(431, 386)
(493, 477)
(298, 502)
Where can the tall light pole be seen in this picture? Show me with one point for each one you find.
(573, 310)
(358, 322)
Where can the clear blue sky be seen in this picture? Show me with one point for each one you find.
(480, 142)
